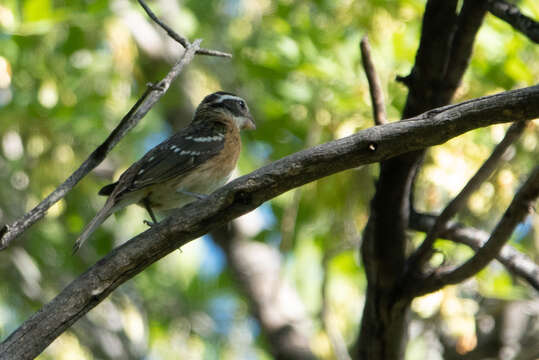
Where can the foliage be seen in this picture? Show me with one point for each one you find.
(70, 70)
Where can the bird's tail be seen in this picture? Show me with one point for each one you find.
(101, 216)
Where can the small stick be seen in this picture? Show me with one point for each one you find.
(180, 39)
(377, 96)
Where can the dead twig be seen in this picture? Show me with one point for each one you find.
(377, 95)
(180, 39)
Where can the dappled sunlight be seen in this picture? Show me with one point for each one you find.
(70, 71)
(67, 347)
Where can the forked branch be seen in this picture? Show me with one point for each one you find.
(522, 204)
(179, 38)
(423, 253)
(516, 262)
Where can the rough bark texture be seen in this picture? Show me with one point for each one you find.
(246, 193)
(512, 15)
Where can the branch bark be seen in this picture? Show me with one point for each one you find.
(516, 262)
(512, 15)
(248, 192)
(377, 95)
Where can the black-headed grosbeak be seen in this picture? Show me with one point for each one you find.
(195, 161)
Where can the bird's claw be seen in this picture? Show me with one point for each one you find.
(149, 223)
(197, 196)
(160, 86)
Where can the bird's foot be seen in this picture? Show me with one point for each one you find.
(150, 223)
(160, 86)
(193, 194)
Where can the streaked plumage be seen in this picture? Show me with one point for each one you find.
(196, 160)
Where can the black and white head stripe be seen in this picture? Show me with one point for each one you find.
(233, 103)
(219, 97)
(225, 103)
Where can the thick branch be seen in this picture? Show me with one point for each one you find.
(377, 95)
(180, 39)
(520, 207)
(516, 262)
(246, 193)
(154, 92)
(469, 21)
(423, 253)
(512, 15)
(432, 58)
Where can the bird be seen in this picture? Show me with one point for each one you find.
(190, 164)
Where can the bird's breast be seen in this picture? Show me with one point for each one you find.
(204, 179)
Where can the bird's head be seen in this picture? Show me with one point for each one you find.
(228, 105)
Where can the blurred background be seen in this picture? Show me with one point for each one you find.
(69, 71)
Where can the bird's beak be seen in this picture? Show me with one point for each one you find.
(249, 123)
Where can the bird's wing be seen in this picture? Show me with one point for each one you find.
(174, 157)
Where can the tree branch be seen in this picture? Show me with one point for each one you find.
(377, 95)
(180, 39)
(425, 251)
(432, 57)
(153, 93)
(520, 207)
(512, 15)
(516, 262)
(248, 192)
(469, 21)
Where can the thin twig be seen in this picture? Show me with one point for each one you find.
(425, 250)
(520, 207)
(152, 94)
(377, 95)
(180, 39)
(512, 15)
(515, 262)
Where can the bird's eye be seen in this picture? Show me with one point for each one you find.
(242, 104)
